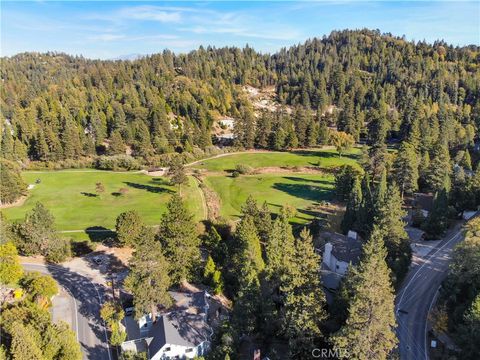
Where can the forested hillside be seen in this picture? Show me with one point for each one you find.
(55, 106)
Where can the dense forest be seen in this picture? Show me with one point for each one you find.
(380, 87)
(414, 106)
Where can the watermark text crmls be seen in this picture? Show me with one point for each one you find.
(329, 353)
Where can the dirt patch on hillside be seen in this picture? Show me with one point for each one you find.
(211, 199)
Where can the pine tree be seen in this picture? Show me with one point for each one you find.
(149, 278)
(406, 168)
(248, 249)
(12, 185)
(390, 223)
(366, 212)
(353, 206)
(467, 161)
(178, 237)
(436, 222)
(247, 307)
(369, 332)
(438, 175)
(468, 335)
(304, 297)
(129, 227)
(177, 172)
(24, 345)
(116, 146)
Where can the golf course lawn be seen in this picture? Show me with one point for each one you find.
(298, 190)
(322, 158)
(70, 196)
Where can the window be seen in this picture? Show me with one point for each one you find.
(168, 349)
(189, 350)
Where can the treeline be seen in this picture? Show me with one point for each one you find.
(56, 107)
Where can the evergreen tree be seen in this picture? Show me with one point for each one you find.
(116, 145)
(353, 206)
(406, 168)
(177, 172)
(178, 237)
(129, 227)
(390, 223)
(12, 186)
(366, 212)
(369, 331)
(438, 175)
(468, 335)
(248, 249)
(149, 278)
(304, 298)
(436, 222)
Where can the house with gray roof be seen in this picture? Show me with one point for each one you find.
(338, 253)
(181, 333)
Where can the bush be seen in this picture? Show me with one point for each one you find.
(117, 162)
(235, 174)
(243, 169)
(59, 250)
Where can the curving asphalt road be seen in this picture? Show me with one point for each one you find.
(87, 300)
(417, 296)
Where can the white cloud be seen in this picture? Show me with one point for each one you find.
(107, 37)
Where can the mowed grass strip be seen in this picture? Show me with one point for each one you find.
(325, 159)
(301, 191)
(72, 198)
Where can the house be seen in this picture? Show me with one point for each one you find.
(424, 202)
(227, 122)
(180, 333)
(339, 252)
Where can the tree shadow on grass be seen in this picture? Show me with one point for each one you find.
(99, 233)
(149, 188)
(88, 194)
(325, 154)
(303, 191)
(317, 181)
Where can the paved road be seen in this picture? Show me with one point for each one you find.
(418, 294)
(86, 298)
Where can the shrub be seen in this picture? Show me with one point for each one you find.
(117, 162)
(243, 169)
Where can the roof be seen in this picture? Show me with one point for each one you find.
(344, 248)
(178, 328)
(414, 234)
(424, 201)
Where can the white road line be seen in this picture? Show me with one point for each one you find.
(424, 263)
(426, 322)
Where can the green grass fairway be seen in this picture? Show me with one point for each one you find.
(323, 158)
(298, 190)
(70, 196)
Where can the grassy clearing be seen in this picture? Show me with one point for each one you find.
(301, 191)
(71, 197)
(323, 158)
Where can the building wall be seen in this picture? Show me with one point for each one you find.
(180, 351)
(335, 265)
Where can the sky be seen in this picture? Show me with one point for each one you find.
(115, 29)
